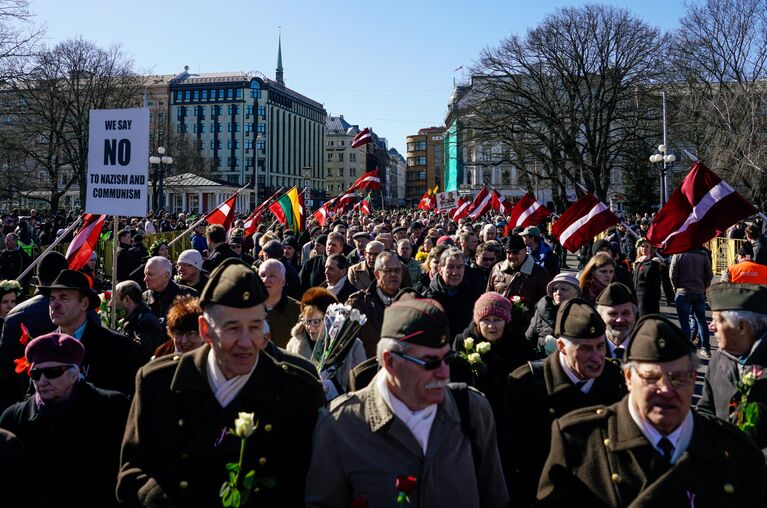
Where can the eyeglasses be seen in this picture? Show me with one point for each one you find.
(674, 380)
(312, 322)
(187, 336)
(390, 271)
(49, 372)
(431, 363)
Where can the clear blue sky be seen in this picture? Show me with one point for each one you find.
(389, 64)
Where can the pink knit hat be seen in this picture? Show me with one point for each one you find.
(492, 304)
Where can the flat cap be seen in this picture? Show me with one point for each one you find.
(578, 319)
(727, 296)
(616, 293)
(514, 242)
(234, 284)
(361, 234)
(531, 231)
(417, 321)
(657, 339)
(55, 347)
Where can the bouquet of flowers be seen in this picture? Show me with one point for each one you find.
(342, 325)
(747, 413)
(473, 353)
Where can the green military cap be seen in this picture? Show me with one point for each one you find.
(616, 293)
(727, 296)
(531, 231)
(416, 321)
(578, 319)
(234, 284)
(657, 339)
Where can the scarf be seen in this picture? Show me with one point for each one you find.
(225, 390)
(595, 287)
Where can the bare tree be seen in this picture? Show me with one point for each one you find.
(565, 98)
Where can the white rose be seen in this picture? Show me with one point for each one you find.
(483, 347)
(516, 299)
(474, 358)
(748, 379)
(468, 343)
(244, 425)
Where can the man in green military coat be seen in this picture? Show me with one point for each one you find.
(176, 444)
(651, 449)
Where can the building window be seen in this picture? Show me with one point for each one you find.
(353, 172)
(238, 93)
(248, 144)
(215, 143)
(232, 162)
(196, 95)
(330, 172)
(205, 95)
(261, 128)
(179, 96)
(352, 157)
(248, 110)
(233, 143)
(261, 145)
(341, 172)
(330, 143)
(187, 96)
(340, 157)
(330, 157)
(233, 127)
(221, 94)
(506, 177)
(161, 117)
(261, 111)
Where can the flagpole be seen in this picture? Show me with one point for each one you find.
(113, 300)
(57, 241)
(631, 230)
(202, 219)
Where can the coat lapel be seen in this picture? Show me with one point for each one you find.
(382, 419)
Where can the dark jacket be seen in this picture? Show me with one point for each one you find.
(18, 484)
(292, 281)
(159, 303)
(282, 318)
(111, 360)
(346, 290)
(760, 250)
(146, 331)
(600, 458)
(529, 282)
(532, 404)
(127, 264)
(369, 303)
(458, 302)
(542, 323)
(545, 257)
(219, 254)
(648, 276)
(720, 388)
(174, 451)
(75, 448)
(12, 263)
(313, 272)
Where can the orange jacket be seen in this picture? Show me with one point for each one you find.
(748, 272)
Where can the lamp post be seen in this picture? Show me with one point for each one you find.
(161, 161)
(667, 159)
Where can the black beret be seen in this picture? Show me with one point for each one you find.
(727, 296)
(418, 321)
(234, 284)
(514, 242)
(578, 319)
(657, 339)
(616, 293)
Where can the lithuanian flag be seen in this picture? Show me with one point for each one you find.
(288, 210)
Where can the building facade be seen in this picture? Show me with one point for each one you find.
(343, 164)
(398, 167)
(425, 161)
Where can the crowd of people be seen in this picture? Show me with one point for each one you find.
(484, 370)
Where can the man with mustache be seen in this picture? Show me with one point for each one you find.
(617, 305)
(651, 448)
(408, 423)
(574, 376)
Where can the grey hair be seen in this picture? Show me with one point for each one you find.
(272, 262)
(391, 345)
(452, 252)
(382, 259)
(694, 362)
(374, 243)
(757, 320)
(405, 240)
(162, 263)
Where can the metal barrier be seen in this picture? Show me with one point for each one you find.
(724, 252)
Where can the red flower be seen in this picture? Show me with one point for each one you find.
(108, 295)
(22, 365)
(360, 502)
(24, 339)
(406, 484)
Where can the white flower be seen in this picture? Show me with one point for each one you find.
(748, 379)
(355, 315)
(244, 425)
(468, 343)
(474, 358)
(516, 299)
(483, 347)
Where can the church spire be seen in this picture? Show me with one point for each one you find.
(278, 75)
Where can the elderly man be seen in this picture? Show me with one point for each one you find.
(161, 289)
(361, 274)
(313, 272)
(405, 254)
(273, 250)
(450, 289)
(574, 376)
(617, 305)
(540, 251)
(651, 449)
(739, 324)
(140, 324)
(373, 300)
(70, 429)
(360, 239)
(489, 232)
(111, 359)
(409, 424)
(336, 281)
(282, 310)
(176, 447)
(189, 265)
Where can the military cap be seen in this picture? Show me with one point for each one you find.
(728, 296)
(657, 339)
(416, 321)
(361, 234)
(531, 231)
(616, 293)
(234, 284)
(514, 242)
(578, 319)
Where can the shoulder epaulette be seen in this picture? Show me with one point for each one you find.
(585, 415)
(161, 363)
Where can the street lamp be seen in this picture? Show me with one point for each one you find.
(662, 157)
(161, 161)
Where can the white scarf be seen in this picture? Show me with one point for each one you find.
(225, 390)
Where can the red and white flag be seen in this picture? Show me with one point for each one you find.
(321, 215)
(364, 137)
(702, 205)
(527, 212)
(251, 223)
(224, 214)
(498, 204)
(481, 203)
(343, 201)
(427, 201)
(582, 221)
(461, 210)
(84, 242)
(370, 180)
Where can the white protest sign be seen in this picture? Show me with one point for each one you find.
(118, 161)
(447, 200)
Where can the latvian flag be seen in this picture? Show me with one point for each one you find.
(81, 248)
(343, 201)
(364, 137)
(364, 205)
(498, 204)
(582, 221)
(481, 203)
(461, 210)
(224, 214)
(527, 212)
(370, 180)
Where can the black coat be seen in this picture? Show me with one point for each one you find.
(647, 285)
(159, 303)
(219, 254)
(75, 448)
(175, 451)
(458, 302)
(18, 485)
(542, 324)
(346, 290)
(111, 360)
(531, 406)
(143, 327)
(127, 264)
(313, 272)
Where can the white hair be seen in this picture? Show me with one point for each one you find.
(374, 243)
(381, 260)
(694, 363)
(392, 345)
(273, 263)
(162, 263)
(757, 320)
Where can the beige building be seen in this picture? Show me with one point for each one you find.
(343, 164)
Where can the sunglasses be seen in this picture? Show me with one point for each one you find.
(431, 363)
(49, 372)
